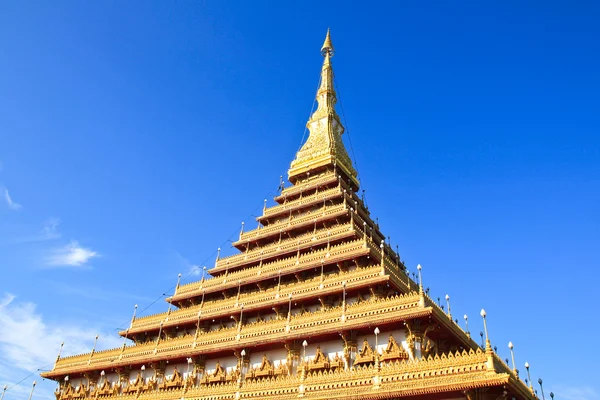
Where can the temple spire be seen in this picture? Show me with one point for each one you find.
(327, 45)
(324, 148)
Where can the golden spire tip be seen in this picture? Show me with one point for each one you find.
(327, 45)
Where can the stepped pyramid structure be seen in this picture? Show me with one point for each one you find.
(315, 305)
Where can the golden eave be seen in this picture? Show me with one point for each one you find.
(357, 315)
(311, 184)
(274, 229)
(316, 198)
(315, 287)
(448, 373)
(338, 252)
(285, 247)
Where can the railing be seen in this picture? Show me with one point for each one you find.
(270, 270)
(299, 188)
(445, 373)
(211, 309)
(356, 315)
(304, 201)
(293, 222)
(308, 239)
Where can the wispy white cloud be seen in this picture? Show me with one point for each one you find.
(195, 270)
(10, 202)
(71, 255)
(577, 392)
(27, 343)
(188, 268)
(97, 293)
(50, 229)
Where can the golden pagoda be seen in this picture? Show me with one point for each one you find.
(315, 305)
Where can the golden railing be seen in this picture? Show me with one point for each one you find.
(314, 198)
(210, 309)
(300, 242)
(269, 270)
(334, 319)
(448, 372)
(309, 217)
(299, 188)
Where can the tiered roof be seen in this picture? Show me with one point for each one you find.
(318, 267)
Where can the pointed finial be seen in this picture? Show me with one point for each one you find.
(32, 388)
(95, 342)
(327, 48)
(176, 287)
(62, 344)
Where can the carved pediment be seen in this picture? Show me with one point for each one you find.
(365, 354)
(176, 380)
(320, 361)
(394, 351)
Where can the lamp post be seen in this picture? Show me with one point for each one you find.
(32, 387)
(487, 338)
(189, 363)
(344, 301)
(539, 381)
(467, 324)
(304, 344)
(512, 354)
(279, 284)
(448, 304)
(376, 331)
(102, 375)
(143, 369)
(322, 277)
(528, 375)
(420, 276)
(241, 317)
(243, 354)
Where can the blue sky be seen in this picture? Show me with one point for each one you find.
(135, 137)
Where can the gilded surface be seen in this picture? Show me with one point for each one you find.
(458, 371)
(317, 221)
(324, 146)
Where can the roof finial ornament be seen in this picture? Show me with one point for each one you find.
(327, 48)
(133, 317)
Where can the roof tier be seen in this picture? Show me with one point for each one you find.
(337, 319)
(449, 375)
(260, 300)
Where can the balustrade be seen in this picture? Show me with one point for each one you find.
(300, 242)
(357, 314)
(299, 290)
